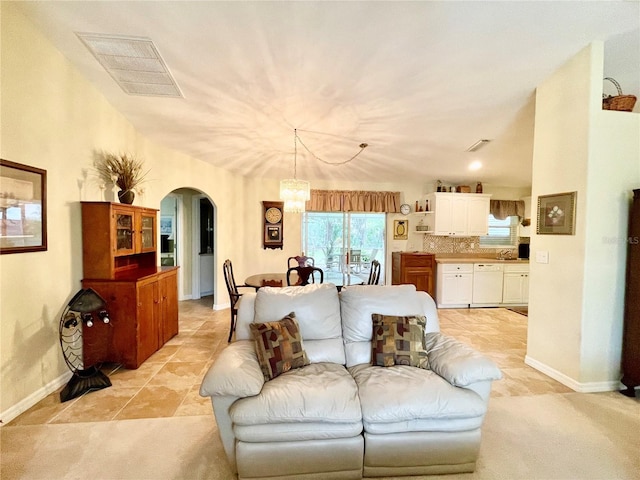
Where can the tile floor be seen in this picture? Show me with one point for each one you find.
(167, 383)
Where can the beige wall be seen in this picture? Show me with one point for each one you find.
(576, 300)
(54, 119)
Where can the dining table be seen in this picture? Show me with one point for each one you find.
(339, 279)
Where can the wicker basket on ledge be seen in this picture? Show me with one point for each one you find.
(621, 103)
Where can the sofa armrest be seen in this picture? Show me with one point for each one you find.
(457, 362)
(236, 372)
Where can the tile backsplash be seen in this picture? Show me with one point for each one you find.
(439, 244)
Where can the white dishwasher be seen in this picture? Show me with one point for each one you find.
(487, 284)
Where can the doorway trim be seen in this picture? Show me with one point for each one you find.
(179, 249)
(195, 245)
(179, 237)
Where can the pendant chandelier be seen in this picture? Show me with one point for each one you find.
(295, 193)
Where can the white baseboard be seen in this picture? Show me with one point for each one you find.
(34, 398)
(221, 306)
(590, 387)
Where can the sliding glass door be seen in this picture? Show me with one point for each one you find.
(345, 242)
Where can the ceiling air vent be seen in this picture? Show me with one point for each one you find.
(134, 63)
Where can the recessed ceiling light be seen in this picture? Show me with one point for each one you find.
(134, 63)
(478, 144)
(476, 165)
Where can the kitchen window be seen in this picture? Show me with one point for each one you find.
(502, 233)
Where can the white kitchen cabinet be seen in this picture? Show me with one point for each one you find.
(515, 286)
(454, 286)
(460, 214)
(477, 216)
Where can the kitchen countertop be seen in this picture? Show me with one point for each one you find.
(468, 258)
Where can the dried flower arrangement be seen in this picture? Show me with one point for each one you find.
(125, 170)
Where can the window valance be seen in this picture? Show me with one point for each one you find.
(501, 209)
(353, 201)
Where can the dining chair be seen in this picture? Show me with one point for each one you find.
(304, 275)
(234, 294)
(366, 265)
(300, 261)
(355, 260)
(374, 274)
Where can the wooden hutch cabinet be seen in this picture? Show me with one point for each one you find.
(119, 253)
(415, 268)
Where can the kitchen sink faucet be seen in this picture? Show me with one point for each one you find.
(504, 254)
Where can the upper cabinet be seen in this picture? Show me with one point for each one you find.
(134, 229)
(117, 238)
(460, 214)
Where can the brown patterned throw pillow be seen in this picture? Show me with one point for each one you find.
(279, 346)
(399, 341)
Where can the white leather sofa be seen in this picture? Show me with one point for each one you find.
(340, 417)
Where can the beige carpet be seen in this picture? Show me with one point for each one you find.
(554, 436)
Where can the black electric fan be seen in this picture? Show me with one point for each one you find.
(79, 314)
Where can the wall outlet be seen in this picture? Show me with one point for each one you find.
(432, 245)
(472, 246)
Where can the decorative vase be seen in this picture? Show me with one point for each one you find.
(126, 196)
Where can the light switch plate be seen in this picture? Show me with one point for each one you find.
(542, 256)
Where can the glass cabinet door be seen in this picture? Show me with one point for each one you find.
(124, 233)
(147, 231)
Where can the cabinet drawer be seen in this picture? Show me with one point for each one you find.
(417, 261)
(516, 268)
(456, 267)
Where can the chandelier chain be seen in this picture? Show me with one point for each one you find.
(298, 139)
(295, 153)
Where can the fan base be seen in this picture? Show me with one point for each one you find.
(84, 381)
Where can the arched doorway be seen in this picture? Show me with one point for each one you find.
(188, 240)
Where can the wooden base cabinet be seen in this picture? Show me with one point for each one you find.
(414, 268)
(631, 332)
(143, 316)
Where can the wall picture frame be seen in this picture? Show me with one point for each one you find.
(166, 225)
(557, 214)
(400, 229)
(23, 208)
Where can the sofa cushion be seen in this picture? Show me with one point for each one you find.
(405, 399)
(318, 394)
(236, 372)
(279, 346)
(317, 309)
(358, 303)
(399, 340)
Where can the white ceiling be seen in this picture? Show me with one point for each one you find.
(418, 81)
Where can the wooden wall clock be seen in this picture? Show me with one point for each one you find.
(272, 222)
